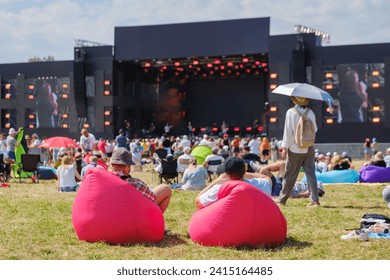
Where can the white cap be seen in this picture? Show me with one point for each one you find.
(11, 131)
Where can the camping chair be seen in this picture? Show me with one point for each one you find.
(212, 168)
(169, 172)
(3, 170)
(29, 166)
(184, 162)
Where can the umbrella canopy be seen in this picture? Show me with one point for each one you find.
(200, 153)
(58, 142)
(303, 90)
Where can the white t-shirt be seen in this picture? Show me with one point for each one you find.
(87, 142)
(66, 176)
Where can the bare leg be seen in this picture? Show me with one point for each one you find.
(163, 196)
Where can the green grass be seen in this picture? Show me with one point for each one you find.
(35, 224)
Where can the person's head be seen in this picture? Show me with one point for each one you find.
(121, 159)
(351, 80)
(386, 195)
(192, 161)
(121, 131)
(388, 151)
(66, 160)
(300, 101)
(187, 150)
(215, 150)
(12, 132)
(246, 149)
(378, 156)
(84, 132)
(336, 159)
(34, 136)
(321, 157)
(234, 168)
(78, 156)
(93, 159)
(169, 157)
(27, 138)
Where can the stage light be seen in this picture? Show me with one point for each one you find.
(273, 86)
(329, 110)
(376, 120)
(176, 73)
(217, 61)
(195, 62)
(202, 129)
(31, 87)
(177, 64)
(193, 129)
(227, 129)
(107, 113)
(230, 64)
(329, 121)
(329, 75)
(8, 96)
(257, 62)
(248, 128)
(31, 125)
(31, 116)
(146, 70)
(257, 72)
(7, 116)
(329, 86)
(164, 67)
(222, 67)
(237, 73)
(85, 125)
(236, 129)
(376, 73)
(31, 96)
(107, 82)
(204, 75)
(107, 92)
(107, 123)
(264, 64)
(216, 68)
(222, 74)
(211, 72)
(65, 85)
(209, 65)
(8, 86)
(273, 75)
(241, 66)
(65, 125)
(248, 71)
(214, 129)
(376, 108)
(273, 109)
(147, 64)
(260, 128)
(64, 95)
(273, 120)
(7, 125)
(245, 60)
(65, 116)
(376, 85)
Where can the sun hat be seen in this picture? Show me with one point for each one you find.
(121, 156)
(300, 101)
(11, 131)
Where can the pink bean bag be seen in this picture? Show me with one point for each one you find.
(107, 208)
(242, 215)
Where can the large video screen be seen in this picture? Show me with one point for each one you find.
(47, 94)
(357, 90)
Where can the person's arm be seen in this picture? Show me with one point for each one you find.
(58, 177)
(77, 174)
(221, 179)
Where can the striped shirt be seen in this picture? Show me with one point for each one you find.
(136, 183)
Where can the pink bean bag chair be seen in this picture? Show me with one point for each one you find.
(109, 209)
(242, 215)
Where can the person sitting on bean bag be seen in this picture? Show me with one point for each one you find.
(121, 162)
(234, 168)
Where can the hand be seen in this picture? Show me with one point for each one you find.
(283, 153)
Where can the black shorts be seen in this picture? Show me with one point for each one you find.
(265, 152)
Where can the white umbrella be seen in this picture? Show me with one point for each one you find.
(303, 90)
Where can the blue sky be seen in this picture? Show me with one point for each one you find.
(40, 28)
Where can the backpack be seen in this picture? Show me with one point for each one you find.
(305, 134)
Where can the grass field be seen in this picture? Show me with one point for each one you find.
(35, 224)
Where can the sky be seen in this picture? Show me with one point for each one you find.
(41, 28)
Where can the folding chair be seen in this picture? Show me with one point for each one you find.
(212, 168)
(184, 162)
(169, 172)
(29, 166)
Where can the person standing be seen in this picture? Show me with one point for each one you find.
(87, 141)
(11, 143)
(297, 157)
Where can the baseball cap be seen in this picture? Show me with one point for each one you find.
(169, 157)
(122, 156)
(386, 195)
(233, 165)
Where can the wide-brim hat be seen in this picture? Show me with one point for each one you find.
(300, 101)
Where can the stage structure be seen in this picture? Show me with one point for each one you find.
(203, 73)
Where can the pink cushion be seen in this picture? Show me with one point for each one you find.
(107, 208)
(242, 215)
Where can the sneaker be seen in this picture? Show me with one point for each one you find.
(255, 166)
(357, 233)
(313, 204)
(279, 203)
